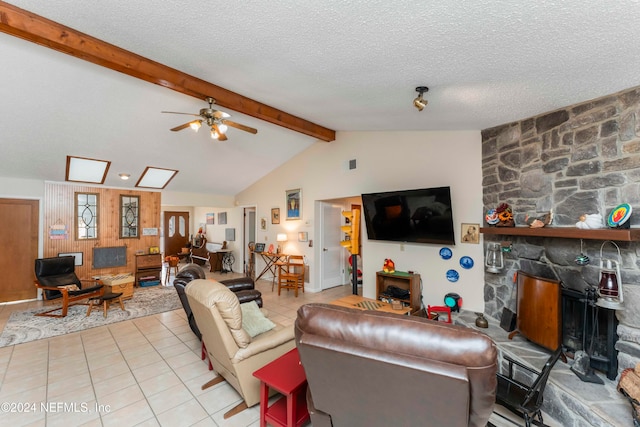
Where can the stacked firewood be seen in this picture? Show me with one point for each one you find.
(629, 386)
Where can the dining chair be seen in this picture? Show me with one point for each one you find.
(291, 274)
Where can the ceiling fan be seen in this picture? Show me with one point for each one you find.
(215, 119)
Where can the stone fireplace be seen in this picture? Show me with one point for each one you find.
(582, 159)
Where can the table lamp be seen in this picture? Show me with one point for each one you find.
(281, 237)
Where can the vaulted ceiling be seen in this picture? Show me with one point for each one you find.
(336, 65)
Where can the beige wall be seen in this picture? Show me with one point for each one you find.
(385, 161)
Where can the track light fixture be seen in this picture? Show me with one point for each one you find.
(420, 102)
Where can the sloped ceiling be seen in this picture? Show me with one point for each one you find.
(343, 65)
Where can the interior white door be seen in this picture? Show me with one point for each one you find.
(333, 254)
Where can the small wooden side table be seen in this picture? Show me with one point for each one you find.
(285, 375)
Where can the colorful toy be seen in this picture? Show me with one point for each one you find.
(389, 266)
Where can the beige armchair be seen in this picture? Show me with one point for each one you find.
(235, 356)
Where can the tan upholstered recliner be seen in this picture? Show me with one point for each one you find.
(367, 368)
(235, 356)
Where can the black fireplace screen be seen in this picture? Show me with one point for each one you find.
(591, 329)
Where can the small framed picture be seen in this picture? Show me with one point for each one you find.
(263, 223)
(230, 234)
(275, 215)
(470, 233)
(259, 247)
(293, 203)
(303, 236)
(76, 255)
(222, 218)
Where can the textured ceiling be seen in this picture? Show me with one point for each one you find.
(344, 65)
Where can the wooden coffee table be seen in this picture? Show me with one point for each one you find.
(362, 303)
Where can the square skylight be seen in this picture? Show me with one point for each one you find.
(81, 169)
(156, 177)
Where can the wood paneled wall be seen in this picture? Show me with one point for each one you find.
(59, 205)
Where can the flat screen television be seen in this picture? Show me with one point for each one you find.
(412, 216)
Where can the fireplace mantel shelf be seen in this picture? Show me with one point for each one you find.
(622, 235)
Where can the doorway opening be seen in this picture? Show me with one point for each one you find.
(248, 260)
(334, 265)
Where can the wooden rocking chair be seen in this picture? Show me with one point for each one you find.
(520, 398)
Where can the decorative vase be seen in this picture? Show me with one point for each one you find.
(481, 322)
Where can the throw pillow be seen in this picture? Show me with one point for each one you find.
(253, 321)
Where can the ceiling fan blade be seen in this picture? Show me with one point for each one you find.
(241, 127)
(221, 136)
(184, 126)
(175, 112)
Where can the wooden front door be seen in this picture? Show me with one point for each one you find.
(176, 231)
(19, 237)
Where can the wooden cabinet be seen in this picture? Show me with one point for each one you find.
(148, 269)
(402, 280)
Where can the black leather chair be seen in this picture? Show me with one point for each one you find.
(57, 278)
(243, 287)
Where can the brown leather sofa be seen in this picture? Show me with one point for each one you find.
(366, 368)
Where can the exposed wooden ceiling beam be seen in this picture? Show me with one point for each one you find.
(26, 25)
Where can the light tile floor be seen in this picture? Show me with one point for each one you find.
(142, 372)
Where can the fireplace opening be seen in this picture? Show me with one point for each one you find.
(581, 332)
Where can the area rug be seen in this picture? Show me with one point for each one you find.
(23, 326)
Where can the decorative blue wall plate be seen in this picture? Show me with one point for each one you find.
(446, 253)
(452, 275)
(466, 262)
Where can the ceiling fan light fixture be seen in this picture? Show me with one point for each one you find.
(222, 128)
(214, 134)
(195, 125)
(419, 102)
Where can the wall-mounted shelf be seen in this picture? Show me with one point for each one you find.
(621, 235)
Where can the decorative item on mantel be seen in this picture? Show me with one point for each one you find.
(590, 222)
(540, 221)
(492, 217)
(389, 266)
(505, 216)
(620, 216)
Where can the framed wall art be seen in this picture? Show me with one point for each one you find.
(222, 218)
(275, 215)
(293, 203)
(470, 233)
(263, 223)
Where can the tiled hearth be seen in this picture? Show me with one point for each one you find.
(568, 400)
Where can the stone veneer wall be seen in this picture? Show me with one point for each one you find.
(581, 159)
